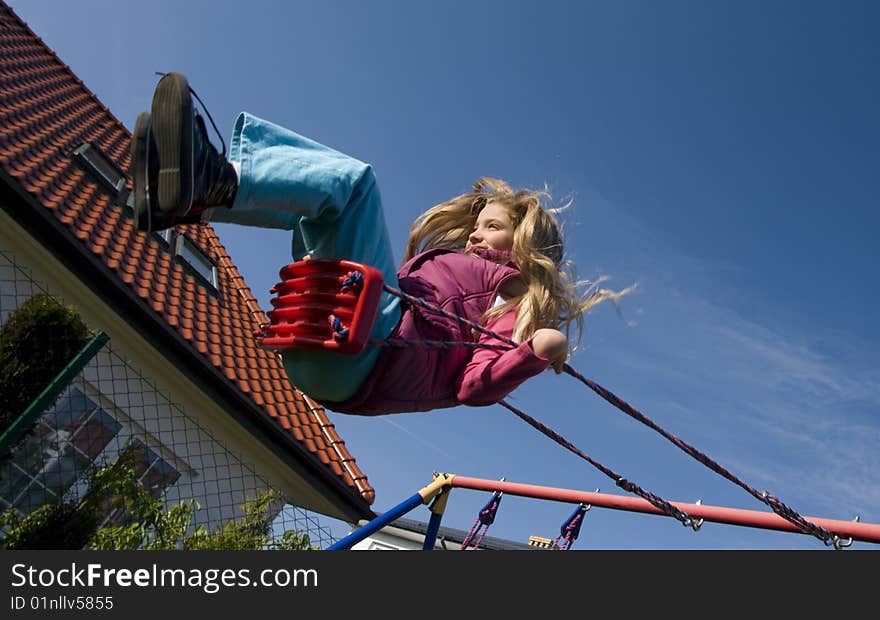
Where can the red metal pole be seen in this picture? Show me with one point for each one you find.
(867, 532)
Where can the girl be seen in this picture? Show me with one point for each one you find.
(493, 255)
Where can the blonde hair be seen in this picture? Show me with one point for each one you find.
(553, 298)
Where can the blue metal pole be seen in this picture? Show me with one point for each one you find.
(431, 533)
(378, 523)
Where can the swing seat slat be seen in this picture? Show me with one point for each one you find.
(323, 304)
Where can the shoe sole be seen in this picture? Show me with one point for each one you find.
(173, 131)
(139, 173)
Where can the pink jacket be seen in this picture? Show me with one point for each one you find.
(421, 379)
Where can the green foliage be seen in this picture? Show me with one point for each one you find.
(252, 532)
(36, 343)
(67, 525)
(51, 526)
(150, 524)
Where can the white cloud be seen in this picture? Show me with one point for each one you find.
(794, 421)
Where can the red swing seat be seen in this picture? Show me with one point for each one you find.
(323, 304)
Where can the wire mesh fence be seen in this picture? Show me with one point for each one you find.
(108, 410)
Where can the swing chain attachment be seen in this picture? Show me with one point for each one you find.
(485, 518)
(696, 524)
(829, 538)
(570, 529)
(846, 542)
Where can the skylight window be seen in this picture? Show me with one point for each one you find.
(99, 166)
(186, 251)
(192, 254)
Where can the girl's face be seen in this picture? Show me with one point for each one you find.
(493, 229)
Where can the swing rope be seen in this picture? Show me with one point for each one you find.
(773, 502)
(784, 511)
(400, 343)
(658, 502)
(570, 529)
(485, 518)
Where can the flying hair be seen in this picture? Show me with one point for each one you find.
(554, 298)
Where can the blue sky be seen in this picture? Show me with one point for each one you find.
(721, 155)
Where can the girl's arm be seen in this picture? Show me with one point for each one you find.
(492, 374)
(551, 344)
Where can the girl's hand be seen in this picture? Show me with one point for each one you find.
(551, 344)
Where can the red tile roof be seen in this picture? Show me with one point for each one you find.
(46, 113)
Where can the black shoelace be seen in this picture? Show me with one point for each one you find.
(208, 114)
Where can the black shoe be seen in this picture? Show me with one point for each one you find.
(192, 174)
(145, 174)
(143, 178)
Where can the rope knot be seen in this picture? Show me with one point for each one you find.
(353, 281)
(340, 332)
(626, 485)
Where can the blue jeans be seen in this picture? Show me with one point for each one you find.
(331, 203)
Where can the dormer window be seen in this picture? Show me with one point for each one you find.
(99, 166)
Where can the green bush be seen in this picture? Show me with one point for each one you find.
(68, 524)
(51, 526)
(150, 525)
(36, 343)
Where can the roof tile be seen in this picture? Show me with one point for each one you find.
(48, 112)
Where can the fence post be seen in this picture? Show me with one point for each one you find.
(20, 426)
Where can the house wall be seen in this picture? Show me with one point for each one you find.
(386, 541)
(396, 539)
(150, 398)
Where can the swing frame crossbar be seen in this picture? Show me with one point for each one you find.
(437, 492)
